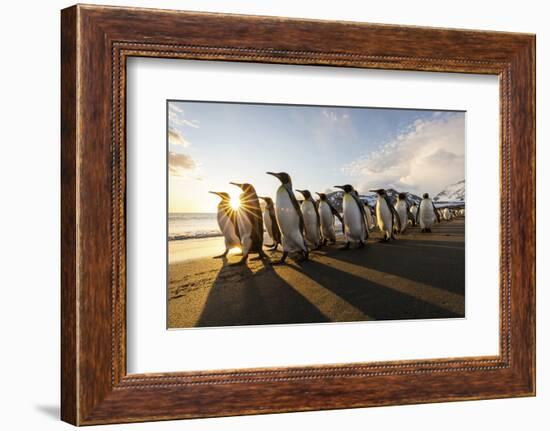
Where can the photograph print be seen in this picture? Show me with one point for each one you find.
(301, 214)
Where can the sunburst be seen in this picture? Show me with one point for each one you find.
(235, 202)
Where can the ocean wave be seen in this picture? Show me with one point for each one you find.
(194, 235)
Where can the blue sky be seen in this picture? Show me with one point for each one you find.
(211, 144)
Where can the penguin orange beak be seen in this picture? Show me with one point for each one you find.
(216, 193)
(318, 194)
(339, 187)
(237, 184)
(301, 191)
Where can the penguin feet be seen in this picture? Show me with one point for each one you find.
(361, 245)
(303, 258)
(345, 247)
(261, 256)
(220, 256)
(281, 261)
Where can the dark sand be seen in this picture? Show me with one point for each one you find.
(419, 276)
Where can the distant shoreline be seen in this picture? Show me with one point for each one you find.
(198, 235)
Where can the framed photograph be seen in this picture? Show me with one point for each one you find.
(264, 215)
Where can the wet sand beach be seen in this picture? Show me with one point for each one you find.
(419, 276)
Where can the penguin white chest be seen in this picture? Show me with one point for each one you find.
(427, 214)
(245, 226)
(383, 215)
(401, 208)
(327, 221)
(286, 213)
(311, 222)
(289, 222)
(353, 219)
(228, 230)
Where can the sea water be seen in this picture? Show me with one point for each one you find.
(192, 226)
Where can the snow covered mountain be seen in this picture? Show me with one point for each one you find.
(452, 193)
(335, 198)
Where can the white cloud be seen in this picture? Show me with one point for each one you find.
(176, 117)
(425, 157)
(179, 164)
(334, 116)
(175, 138)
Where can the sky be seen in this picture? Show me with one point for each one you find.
(211, 144)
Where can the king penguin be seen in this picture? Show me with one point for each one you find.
(327, 213)
(354, 218)
(427, 214)
(413, 210)
(386, 215)
(312, 221)
(249, 222)
(227, 221)
(270, 222)
(290, 219)
(370, 217)
(402, 209)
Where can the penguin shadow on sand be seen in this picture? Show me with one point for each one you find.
(253, 294)
(376, 301)
(439, 264)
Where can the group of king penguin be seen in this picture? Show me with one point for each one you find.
(448, 214)
(297, 228)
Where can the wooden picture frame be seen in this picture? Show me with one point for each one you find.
(95, 43)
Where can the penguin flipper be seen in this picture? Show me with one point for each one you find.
(394, 212)
(274, 225)
(363, 214)
(296, 206)
(336, 214)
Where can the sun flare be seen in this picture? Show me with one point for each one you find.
(235, 202)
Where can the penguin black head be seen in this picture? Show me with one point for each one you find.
(282, 176)
(380, 192)
(347, 188)
(425, 195)
(245, 187)
(267, 200)
(402, 196)
(322, 196)
(305, 193)
(224, 196)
